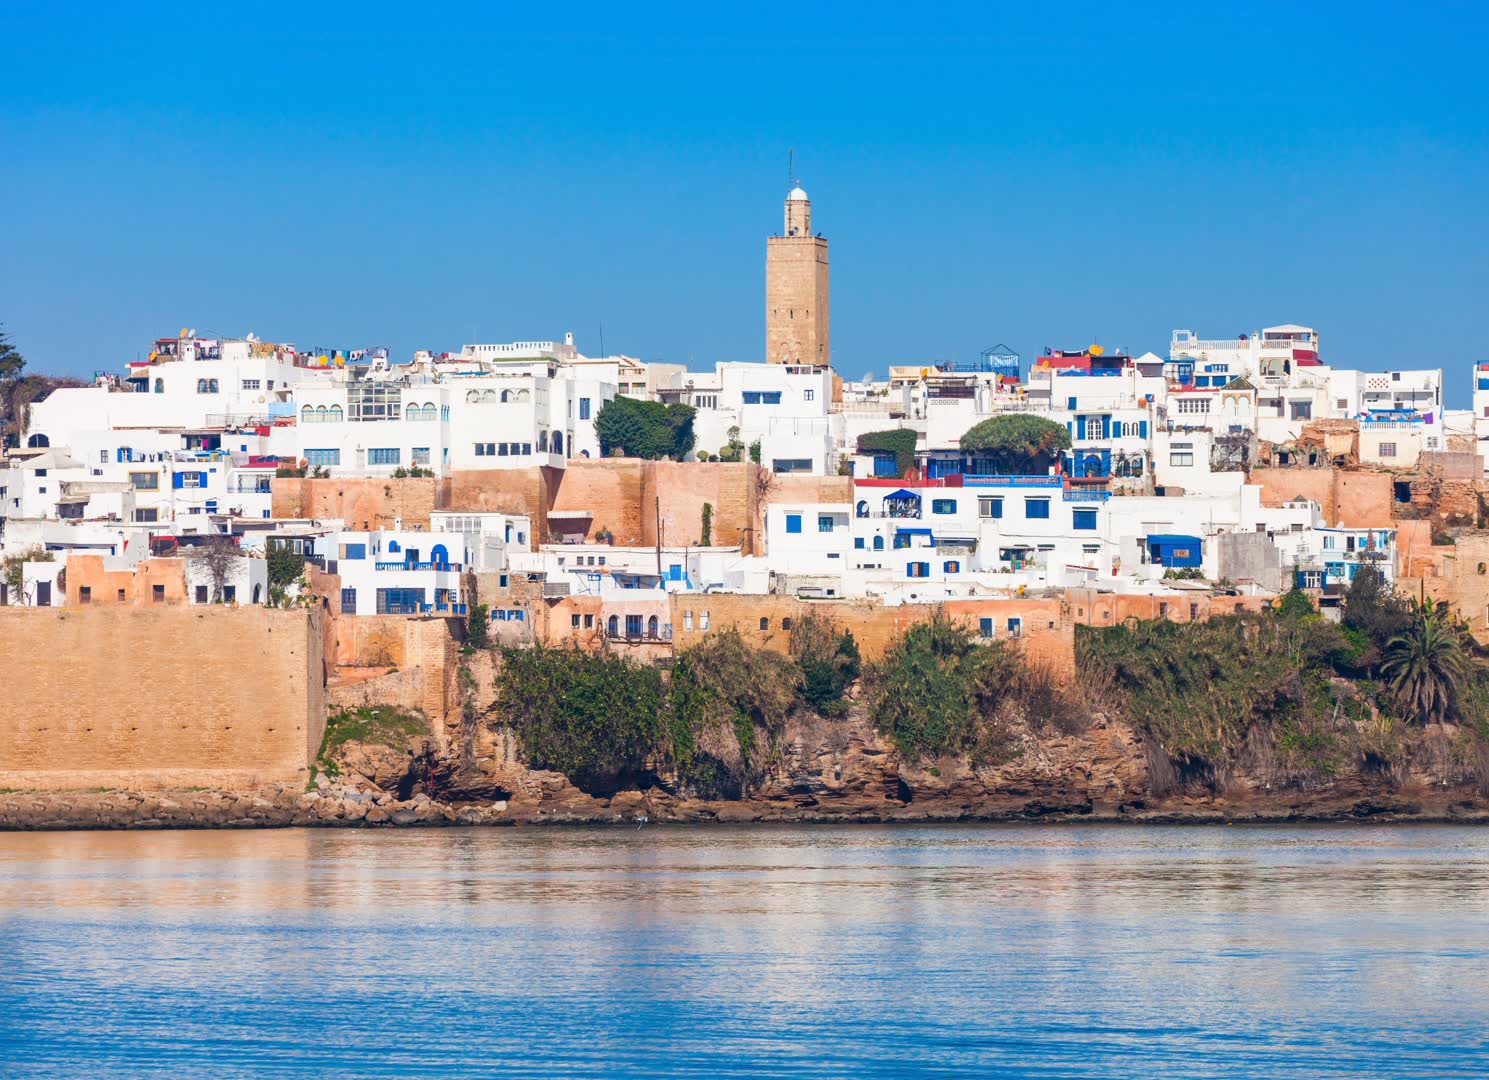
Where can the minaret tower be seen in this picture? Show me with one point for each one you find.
(796, 306)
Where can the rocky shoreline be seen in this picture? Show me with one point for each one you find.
(346, 806)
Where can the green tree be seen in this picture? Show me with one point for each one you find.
(1425, 665)
(477, 627)
(285, 564)
(898, 441)
(594, 717)
(1372, 608)
(1016, 442)
(12, 363)
(645, 429)
(755, 451)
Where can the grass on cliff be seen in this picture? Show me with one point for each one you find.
(375, 724)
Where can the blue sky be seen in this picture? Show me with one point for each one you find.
(1040, 175)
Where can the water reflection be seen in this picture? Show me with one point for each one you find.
(813, 951)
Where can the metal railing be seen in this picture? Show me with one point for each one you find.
(452, 567)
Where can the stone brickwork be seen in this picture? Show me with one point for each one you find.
(1047, 631)
(159, 696)
(1349, 499)
(361, 503)
(796, 300)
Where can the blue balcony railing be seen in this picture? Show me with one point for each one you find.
(987, 480)
(452, 567)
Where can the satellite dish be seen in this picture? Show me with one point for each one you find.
(868, 376)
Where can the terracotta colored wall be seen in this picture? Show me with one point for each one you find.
(1459, 576)
(1091, 608)
(160, 696)
(361, 503)
(873, 625)
(528, 491)
(425, 651)
(612, 491)
(1351, 499)
(683, 488)
(87, 571)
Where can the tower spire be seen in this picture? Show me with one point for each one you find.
(791, 168)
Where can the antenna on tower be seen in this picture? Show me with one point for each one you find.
(791, 168)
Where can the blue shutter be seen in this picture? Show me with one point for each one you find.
(177, 480)
(1106, 427)
(1070, 404)
(1142, 428)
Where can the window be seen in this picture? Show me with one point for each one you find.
(824, 523)
(322, 458)
(160, 386)
(1302, 410)
(901, 540)
(145, 481)
(808, 395)
(399, 601)
(1387, 449)
(1341, 404)
(157, 593)
(1015, 628)
(206, 386)
(951, 566)
(943, 506)
(383, 455)
(858, 543)
(703, 621)
(85, 595)
(589, 622)
(1093, 427)
(1083, 519)
(348, 601)
(121, 596)
(146, 514)
(793, 523)
(420, 455)
(633, 626)
(985, 628)
(251, 384)
(989, 506)
(878, 543)
(189, 480)
(574, 622)
(201, 594)
(1181, 458)
(762, 397)
(1194, 405)
(687, 620)
(1036, 508)
(334, 415)
(918, 569)
(584, 408)
(229, 593)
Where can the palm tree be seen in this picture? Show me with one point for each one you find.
(1425, 664)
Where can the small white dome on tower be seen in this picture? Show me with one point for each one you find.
(797, 195)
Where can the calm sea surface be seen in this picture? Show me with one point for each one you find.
(866, 951)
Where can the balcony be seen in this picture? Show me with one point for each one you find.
(985, 480)
(451, 567)
(443, 609)
(1079, 494)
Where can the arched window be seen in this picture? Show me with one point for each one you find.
(472, 396)
(38, 440)
(211, 386)
(764, 623)
(878, 543)
(651, 627)
(862, 509)
(320, 414)
(307, 415)
(558, 442)
(335, 415)
(160, 386)
(430, 412)
(542, 442)
(257, 594)
(439, 555)
(613, 626)
(490, 396)
(584, 453)
(201, 386)
(522, 395)
(506, 396)
(393, 547)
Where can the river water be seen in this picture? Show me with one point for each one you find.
(1049, 951)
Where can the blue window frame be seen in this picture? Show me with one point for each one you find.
(824, 523)
(901, 540)
(878, 543)
(633, 626)
(399, 601)
(1083, 519)
(384, 455)
(348, 601)
(793, 523)
(943, 506)
(985, 627)
(858, 543)
(951, 566)
(762, 397)
(674, 572)
(1036, 508)
(1015, 627)
(918, 569)
(584, 408)
(322, 457)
